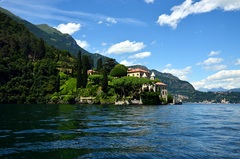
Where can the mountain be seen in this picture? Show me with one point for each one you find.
(55, 38)
(220, 89)
(235, 90)
(175, 85)
(28, 72)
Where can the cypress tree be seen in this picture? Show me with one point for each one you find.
(99, 64)
(57, 89)
(85, 65)
(105, 80)
(79, 70)
(41, 49)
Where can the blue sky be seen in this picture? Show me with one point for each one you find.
(195, 40)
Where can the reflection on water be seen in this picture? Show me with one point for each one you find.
(89, 131)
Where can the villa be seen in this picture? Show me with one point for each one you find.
(156, 87)
(138, 72)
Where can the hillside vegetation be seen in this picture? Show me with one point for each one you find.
(55, 38)
(28, 67)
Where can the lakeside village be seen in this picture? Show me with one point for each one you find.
(136, 87)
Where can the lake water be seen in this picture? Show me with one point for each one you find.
(93, 131)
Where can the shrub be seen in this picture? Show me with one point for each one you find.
(150, 98)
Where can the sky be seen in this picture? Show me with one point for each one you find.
(196, 40)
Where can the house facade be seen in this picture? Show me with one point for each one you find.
(156, 87)
(140, 73)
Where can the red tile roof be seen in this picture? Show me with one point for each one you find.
(161, 84)
(137, 70)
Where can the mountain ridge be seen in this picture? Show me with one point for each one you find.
(219, 89)
(55, 38)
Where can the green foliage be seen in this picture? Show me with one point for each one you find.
(105, 80)
(86, 65)
(99, 64)
(69, 99)
(119, 71)
(128, 85)
(79, 71)
(169, 98)
(150, 98)
(95, 79)
(109, 65)
(69, 87)
(27, 66)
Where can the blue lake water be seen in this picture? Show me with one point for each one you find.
(93, 131)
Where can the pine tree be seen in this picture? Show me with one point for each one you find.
(79, 70)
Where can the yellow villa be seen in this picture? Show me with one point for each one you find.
(157, 87)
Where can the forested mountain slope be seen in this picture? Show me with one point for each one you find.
(55, 38)
(28, 71)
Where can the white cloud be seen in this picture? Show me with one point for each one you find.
(127, 63)
(225, 74)
(213, 53)
(153, 42)
(83, 44)
(104, 44)
(111, 20)
(237, 62)
(149, 1)
(227, 79)
(140, 55)
(215, 67)
(211, 61)
(68, 28)
(180, 73)
(126, 47)
(168, 65)
(189, 7)
(100, 22)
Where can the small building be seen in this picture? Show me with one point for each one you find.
(138, 72)
(91, 72)
(162, 88)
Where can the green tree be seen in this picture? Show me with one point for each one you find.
(85, 65)
(57, 89)
(41, 49)
(99, 64)
(105, 80)
(169, 98)
(79, 70)
(109, 64)
(119, 71)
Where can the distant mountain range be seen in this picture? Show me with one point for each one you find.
(220, 89)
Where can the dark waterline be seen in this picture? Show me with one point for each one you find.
(77, 131)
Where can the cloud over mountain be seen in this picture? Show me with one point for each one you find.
(69, 28)
(82, 43)
(180, 73)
